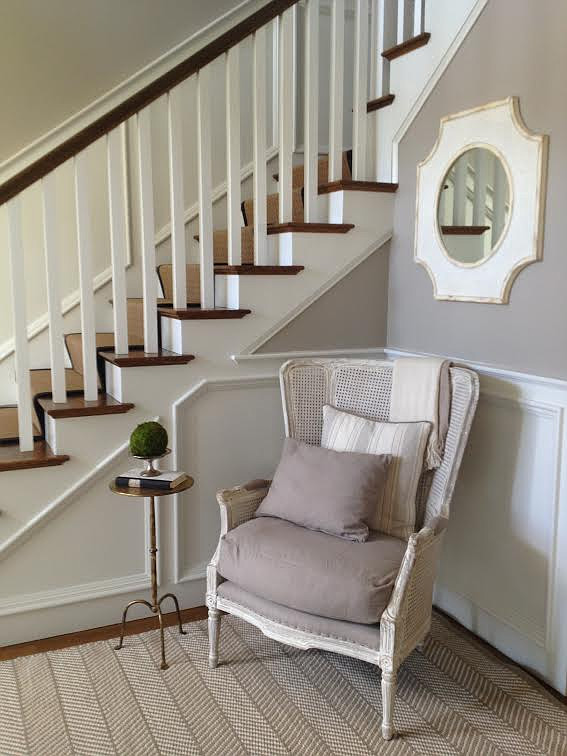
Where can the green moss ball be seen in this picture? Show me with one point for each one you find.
(148, 440)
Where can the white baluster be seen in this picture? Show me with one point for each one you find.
(401, 22)
(86, 286)
(294, 73)
(176, 199)
(118, 213)
(233, 155)
(205, 188)
(21, 353)
(384, 18)
(498, 189)
(480, 183)
(56, 339)
(460, 193)
(311, 108)
(336, 90)
(375, 52)
(418, 18)
(275, 79)
(149, 278)
(360, 90)
(286, 116)
(259, 117)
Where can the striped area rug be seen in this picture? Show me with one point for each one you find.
(455, 697)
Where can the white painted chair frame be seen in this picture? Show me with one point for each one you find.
(407, 618)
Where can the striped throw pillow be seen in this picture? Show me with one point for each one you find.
(395, 511)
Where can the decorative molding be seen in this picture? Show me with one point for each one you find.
(332, 281)
(487, 369)
(498, 127)
(63, 500)
(197, 572)
(196, 392)
(74, 594)
(125, 89)
(431, 83)
(369, 352)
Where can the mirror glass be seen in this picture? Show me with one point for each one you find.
(473, 206)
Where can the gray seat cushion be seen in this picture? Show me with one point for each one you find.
(312, 571)
(332, 629)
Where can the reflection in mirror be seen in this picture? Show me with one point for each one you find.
(473, 206)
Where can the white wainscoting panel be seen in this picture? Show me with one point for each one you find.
(503, 571)
(231, 431)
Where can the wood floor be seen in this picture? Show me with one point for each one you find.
(98, 633)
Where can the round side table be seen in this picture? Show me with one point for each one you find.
(155, 606)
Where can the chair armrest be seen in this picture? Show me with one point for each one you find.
(407, 618)
(238, 504)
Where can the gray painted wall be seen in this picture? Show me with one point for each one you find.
(518, 48)
(351, 314)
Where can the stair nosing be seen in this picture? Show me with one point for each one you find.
(357, 186)
(310, 228)
(407, 46)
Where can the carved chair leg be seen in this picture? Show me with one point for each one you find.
(389, 684)
(214, 637)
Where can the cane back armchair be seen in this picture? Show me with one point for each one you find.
(362, 387)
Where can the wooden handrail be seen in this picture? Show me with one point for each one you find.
(75, 144)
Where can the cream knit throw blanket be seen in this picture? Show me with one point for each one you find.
(421, 391)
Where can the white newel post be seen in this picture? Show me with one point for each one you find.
(56, 338)
(275, 31)
(233, 156)
(286, 116)
(176, 198)
(360, 91)
(86, 284)
(21, 352)
(118, 212)
(259, 128)
(311, 111)
(149, 279)
(336, 90)
(205, 189)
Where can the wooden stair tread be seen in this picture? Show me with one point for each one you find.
(11, 458)
(380, 102)
(310, 228)
(259, 270)
(76, 406)
(357, 186)
(407, 46)
(139, 358)
(196, 313)
(464, 230)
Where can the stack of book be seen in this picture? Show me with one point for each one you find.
(135, 479)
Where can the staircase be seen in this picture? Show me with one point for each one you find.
(279, 252)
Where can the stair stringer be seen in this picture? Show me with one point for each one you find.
(414, 77)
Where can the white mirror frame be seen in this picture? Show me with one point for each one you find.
(498, 127)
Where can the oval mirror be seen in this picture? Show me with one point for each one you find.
(473, 206)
